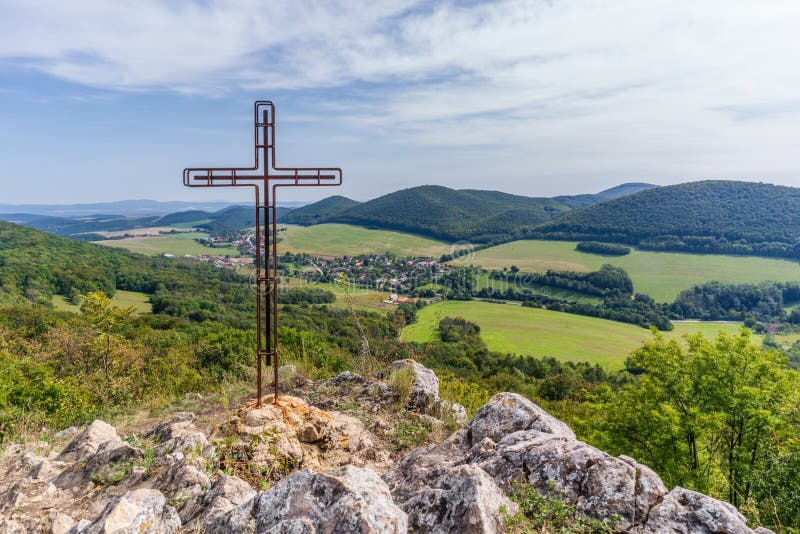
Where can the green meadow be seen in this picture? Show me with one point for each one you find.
(661, 275)
(536, 332)
(348, 240)
(176, 244)
(123, 299)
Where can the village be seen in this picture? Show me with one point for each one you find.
(405, 279)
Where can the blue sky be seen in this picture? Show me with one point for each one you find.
(110, 100)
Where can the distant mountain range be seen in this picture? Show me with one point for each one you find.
(121, 208)
(453, 214)
(708, 216)
(227, 220)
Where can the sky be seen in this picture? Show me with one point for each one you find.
(105, 101)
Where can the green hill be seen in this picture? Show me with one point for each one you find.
(319, 211)
(445, 213)
(35, 266)
(233, 219)
(710, 217)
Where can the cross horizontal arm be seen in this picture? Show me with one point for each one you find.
(229, 177)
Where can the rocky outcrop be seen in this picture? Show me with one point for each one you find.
(423, 395)
(688, 512)
(322, 468)
(225, 494)
(179, 435)
(93, 454)
(351, 500)
(89, 441)
(514, 441)
(137, 511)
(106, 482)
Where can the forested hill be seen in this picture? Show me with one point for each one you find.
(318, 211)
(34, 266)
(453, 214)
(709, 216)
(446, 213)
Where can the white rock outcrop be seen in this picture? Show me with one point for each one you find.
(349, 501)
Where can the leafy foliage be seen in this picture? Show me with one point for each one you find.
(710, 416)
(540, 514)
(715, 301)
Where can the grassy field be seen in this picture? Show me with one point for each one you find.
(362, 299)
(347, 240)
(177, 244)
(514, 329)
(123, 299)
(485, 281)
(662, 275)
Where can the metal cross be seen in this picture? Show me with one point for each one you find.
(260, 176)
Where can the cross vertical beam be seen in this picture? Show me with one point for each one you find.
(264, 176)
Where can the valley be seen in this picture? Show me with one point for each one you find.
(568, 329)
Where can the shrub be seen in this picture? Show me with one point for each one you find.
(606, 249)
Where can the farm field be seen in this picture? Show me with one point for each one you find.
(347, 240)
(177, 244)
(485, 281)
(152, 231)
(662, 275)
(537, 332)
(362, 299)
(123, 299)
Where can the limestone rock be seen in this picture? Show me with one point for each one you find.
(61, 523)
(451, 411)
(451, 499)
(89, 441)
(688, 512)
(11, 498)
(506, 413)
(598, 484)
(179, 435)
(277, 432)
(173, 475)
(225, 494)
(424, 394)
(9, 526)
(346, 378)
(67, 432)
(136, 512)
(351, 500)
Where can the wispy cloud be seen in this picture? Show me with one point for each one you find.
(584, 86)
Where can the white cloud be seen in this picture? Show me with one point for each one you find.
(615, 88)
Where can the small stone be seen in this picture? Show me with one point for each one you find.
(61, 523)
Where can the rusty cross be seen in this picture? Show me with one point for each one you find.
(265, 177)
